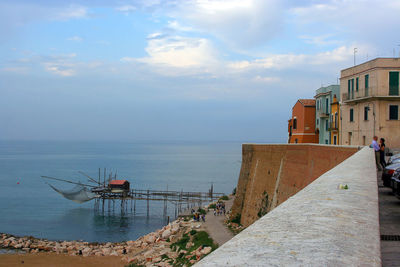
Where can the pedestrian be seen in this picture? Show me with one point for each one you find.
(377, 149)
(215, 211)
(203, 217)
(382, 147)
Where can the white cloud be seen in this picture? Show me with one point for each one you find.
(61, 65)
(266, 79)
(70, 12)
(19, 70)
(126, 9)
(285, 61)
(240, 23)
(178, 52)
(75, 39)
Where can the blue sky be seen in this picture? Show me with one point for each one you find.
(177, 70)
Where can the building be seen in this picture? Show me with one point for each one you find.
(301, 126)
(335, 121)
(370, 102)
(323, 101)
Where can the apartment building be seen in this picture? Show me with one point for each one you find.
(323, 100)
(301, 127)
(370, 103)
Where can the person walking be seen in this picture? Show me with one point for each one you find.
(382, 147)
(377, 149)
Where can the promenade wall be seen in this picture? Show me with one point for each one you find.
(270, 174)
(322, 225)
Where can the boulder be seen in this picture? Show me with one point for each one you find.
(149, 239)
(206, 250)
(106, 251)
(166, 234)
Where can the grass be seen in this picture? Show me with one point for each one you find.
(199, 239)
(237, 218)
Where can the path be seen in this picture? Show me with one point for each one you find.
(389, 218)
(215, 225)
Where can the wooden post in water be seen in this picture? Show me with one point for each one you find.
(148, 196)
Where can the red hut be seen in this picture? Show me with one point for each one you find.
(119, 185)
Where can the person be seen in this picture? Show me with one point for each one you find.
(377, 149)
(382, 147)
(203, 217)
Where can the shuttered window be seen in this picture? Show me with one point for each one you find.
(351, 115)
(394, 83)
(348, 89)
(357, 84)
(393, 112)
(366, 84)
(366, 113)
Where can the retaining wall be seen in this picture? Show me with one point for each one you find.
(321, 225)
(270, 174)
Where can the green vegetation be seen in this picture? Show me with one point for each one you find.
(237, 218)
(201, 211)
(234, 191)
(181, 244)
(225, 197)
(193, 232)
(212, 206)
(134, 265)
(264, 205)
(198, 239)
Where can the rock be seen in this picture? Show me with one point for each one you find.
(114, 253)
(149, 239)
(166, 234)
(86, 250)
(106, 251)
(189, 244)
(206, 250)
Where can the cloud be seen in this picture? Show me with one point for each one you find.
(75, 39)
(265, 79)
(19, 70)
(70, 12)
(126, 8)
(61, 65)
(238, 23)
(178, 52)
(286, 61)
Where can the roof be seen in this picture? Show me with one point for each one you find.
(307, 102)
(118, 182)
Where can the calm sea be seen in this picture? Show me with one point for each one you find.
(29, 206)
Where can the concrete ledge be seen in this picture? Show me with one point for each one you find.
(321, 225)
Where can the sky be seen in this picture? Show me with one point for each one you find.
(179, 70)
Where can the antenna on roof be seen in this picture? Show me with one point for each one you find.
(355, 51)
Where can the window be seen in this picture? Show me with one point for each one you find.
(294, 124)
(363, 140)
(317, 121)
(295, 140)
(327, 125)
(357, 84)
(334, 139)
(393, 112)
(366, 84)
(394, 83)
(366, 109)
(326, 141)
(352, 88)
(327, 106)
(351, 115)
(348, 89)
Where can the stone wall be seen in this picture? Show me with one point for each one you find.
(270, 174)
(324, 224)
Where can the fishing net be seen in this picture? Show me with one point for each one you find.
(78, 194)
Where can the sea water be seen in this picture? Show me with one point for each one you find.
(29, 206)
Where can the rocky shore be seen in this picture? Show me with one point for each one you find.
(170, 246)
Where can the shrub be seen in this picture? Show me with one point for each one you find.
(234, 191)
(237, 218)
(224, 197)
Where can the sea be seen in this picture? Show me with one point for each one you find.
(30, 207)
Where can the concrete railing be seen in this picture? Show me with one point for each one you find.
(322, 225)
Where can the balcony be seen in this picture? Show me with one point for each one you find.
(322, 114)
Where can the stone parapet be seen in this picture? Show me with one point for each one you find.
(322, 225)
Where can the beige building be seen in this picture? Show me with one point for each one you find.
(370, 103)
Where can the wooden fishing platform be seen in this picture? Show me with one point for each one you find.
(107, 192)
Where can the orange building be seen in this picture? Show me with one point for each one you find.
(301, 126)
